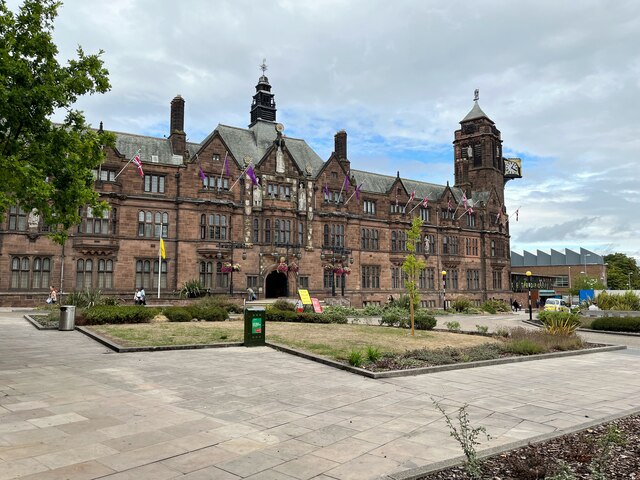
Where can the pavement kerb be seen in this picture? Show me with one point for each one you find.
(117, 348)
(418, 472)
(37, 324)
(442, 368)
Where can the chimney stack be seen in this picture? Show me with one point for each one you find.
(177, 137)
(340, 146)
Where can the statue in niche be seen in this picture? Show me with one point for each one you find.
(279, 160)
(257, 196)
(33, 219)
(302, 198)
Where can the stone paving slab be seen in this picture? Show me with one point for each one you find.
(70, 408)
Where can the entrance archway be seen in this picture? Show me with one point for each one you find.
(276, 285)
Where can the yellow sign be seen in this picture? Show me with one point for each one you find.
(304, 296)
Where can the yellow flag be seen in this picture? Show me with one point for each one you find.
(163, 254)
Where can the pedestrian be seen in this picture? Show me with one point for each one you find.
(538, 303)
(143, 299)
(516, 306)
(136, 296)
(251, 294)
(53, 295)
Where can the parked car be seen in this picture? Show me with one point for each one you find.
(555, 305)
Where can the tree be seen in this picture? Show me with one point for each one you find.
(585, 282)
(43, 165)
(412, 266)
(622, 272)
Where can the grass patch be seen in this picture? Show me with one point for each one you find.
(165, 334)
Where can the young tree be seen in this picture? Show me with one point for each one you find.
(43, 165)
(412, 266)
(584, 282)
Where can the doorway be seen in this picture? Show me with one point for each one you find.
(276, 285)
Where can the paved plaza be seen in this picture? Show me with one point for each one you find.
(72, 409)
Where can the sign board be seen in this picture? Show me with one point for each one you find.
(316, 305)
(256, 325)
(304, 296)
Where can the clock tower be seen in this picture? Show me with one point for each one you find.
(477, 147)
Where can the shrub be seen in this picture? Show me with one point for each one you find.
(559, 323)
(549, 342)
(178, 314)
(395, 317)
(283, 305)
(496, 306)
(628, 301)
(524, 346)
(128, 314)
(274, 315)
(403, 302)
(502, 332)
(424, 320)
(372, 311)
(461, 305)
(482, 328)
(453, 326)
(373, 353)
(620, 324)
(339, 309)
(209, 313)
(218, 301)
(355, 358)
(191, 289)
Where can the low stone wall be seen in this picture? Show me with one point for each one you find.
(609, 313)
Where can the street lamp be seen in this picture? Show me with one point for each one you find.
(528, 274)
(444, 290)
(342, 255)
(585, 262)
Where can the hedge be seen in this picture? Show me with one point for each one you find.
(209, 313)
(118, 314)
(398, 317)
(617, 324)
(177, 314)
(304, 317)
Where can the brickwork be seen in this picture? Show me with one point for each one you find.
(297, 229)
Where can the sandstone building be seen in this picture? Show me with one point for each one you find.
(300, 227)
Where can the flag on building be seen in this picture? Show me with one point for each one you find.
(225, 166)
(358, 187)
(326, 189)
(470, 211)
(252, 175)
(425, 202)
(449, 205)
(499, 216)
(201, 175)
(464, 200)
(345, 186)
(138, 163)
(413, 194)
(163, 254)
(516, 212)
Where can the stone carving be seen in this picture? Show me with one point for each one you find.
(302, 198)
(257, 196)
(279, 160)
(33, 220)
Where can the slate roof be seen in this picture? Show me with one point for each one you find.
(257, 139)
(128, 144)
(476, 112)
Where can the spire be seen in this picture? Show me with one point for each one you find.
(263, 106)
(476, 111)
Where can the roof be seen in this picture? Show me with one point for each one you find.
(257, 139)
(556, 258)
(128, 145)
(476, 112)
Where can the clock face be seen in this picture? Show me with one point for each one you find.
(511, 168)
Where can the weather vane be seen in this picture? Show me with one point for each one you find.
(263, 67)
(476, 95)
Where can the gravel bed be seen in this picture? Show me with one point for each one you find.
(609, 451)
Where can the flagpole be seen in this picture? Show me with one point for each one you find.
(349, 198)
(159, 267)
(239, 177)
(222, 170)
(415, 207)
(136, 154)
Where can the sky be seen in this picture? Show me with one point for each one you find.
(561, 80)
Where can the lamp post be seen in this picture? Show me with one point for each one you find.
(528, 274)
(585, 263)
(444, 290)
(341, 254)
(231, 246)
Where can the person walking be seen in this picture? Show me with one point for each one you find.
(143, 299)
(136, 296)
(53, 295)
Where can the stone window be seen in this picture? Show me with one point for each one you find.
(20, 272)
(497, 279)
(153, 224)
(369, 207)
(213, 227)
(424, 214)
(215, 182)
(41, 272)
(147, 273)
(93, 224)
(105, 274)
(473, 279)
(206, 274)
(371, 276)
(84, 273)
(17, 219)
(154, 183)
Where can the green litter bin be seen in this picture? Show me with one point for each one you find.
(254, 327)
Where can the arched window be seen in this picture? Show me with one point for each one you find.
(325, 239)
(41, 272)
(222, 279)
(84, 274)
(267, 231)
(20, 272)
(206, 274)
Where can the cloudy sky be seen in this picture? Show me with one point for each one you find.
(561, 80)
